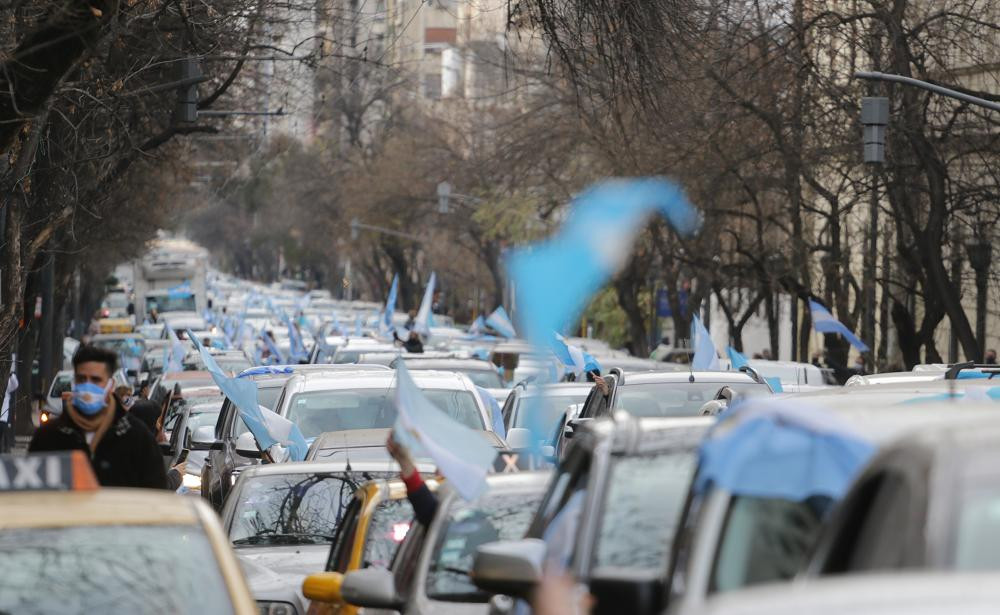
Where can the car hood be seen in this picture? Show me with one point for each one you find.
(276, 573)
(283, 561)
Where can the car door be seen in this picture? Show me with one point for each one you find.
(215, 461)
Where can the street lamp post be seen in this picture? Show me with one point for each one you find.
(874, 119)
(980, 252)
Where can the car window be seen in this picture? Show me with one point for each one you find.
(977, 531)
(666, 399)
(110, 569)
(508, 408)
(492, 517)
(764, 540)
(390, 523)
(641, 509)
(289, 509)
(60, 385)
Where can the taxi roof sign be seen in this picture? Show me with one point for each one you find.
(59, 471)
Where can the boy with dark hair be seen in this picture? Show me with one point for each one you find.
(121, 449)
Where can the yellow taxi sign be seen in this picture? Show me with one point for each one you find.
(62, 471)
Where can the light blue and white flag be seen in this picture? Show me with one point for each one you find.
(267, 427)
(705, 357)
(500, 322)
(390, 305)
(422, 324)
(462, 455)
(824, 322)
(272, 348)
(358, 331)
(174, 353)
(556, 278)
(736, 358)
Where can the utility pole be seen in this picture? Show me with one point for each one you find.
(874, 119)
(45, 362)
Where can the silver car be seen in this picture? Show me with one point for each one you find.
(280, 519)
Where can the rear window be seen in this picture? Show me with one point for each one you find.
(666, 399)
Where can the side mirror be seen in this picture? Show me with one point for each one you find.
(165, 448)
(519, 438)
(323, 587)
(572, 425)
(203, 439)
(548, 452)
(246, 446)
(621, 590)
(372, 588)
(511, 567)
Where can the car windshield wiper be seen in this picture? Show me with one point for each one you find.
(284, 539)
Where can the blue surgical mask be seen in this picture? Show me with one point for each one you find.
(89, 398)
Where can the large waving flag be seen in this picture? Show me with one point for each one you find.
(267, 427)
(555, 278)
(824, 322)
(500, 322)
(390, 305)
(705, 356)
(422, 325)
(462, 455)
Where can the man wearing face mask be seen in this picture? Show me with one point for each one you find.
(122, 450)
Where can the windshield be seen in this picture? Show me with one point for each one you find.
(116, 300)
(641, 510)
(389, 526)
(110, 569)
(488, 379)
(495, 516)
(289, 509)
(233, 365)
(677, 398)
(165, 303)
(550, 407)
(349, 409)
(347, 356)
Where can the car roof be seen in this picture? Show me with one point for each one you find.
(104, 506)
(894, 593)
(685, 377)
(376, 379)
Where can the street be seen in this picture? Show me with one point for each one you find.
(499, 307)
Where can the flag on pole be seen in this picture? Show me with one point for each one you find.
(462, 455)
(390, 305)
(500, 322)
(422, 324)
(824, 322)
(705, 357)
(174, 353)
(267, 427)
(736, 358)
(478, 325)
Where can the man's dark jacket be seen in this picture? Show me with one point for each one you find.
(127, 455)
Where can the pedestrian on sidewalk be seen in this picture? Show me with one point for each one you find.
(121, 449)
(6, 424)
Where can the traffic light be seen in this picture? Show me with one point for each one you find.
(874, 118)
(187, 93)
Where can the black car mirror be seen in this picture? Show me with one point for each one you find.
(626, 590)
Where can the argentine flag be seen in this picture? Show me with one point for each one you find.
(500, 322)
(424, 319)
(705, 358)
(824, 322)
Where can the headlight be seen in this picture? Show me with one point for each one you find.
(191, 481)
(276, 608)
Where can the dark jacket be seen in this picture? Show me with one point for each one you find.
(127, 455)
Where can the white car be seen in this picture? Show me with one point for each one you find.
(320, 402)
